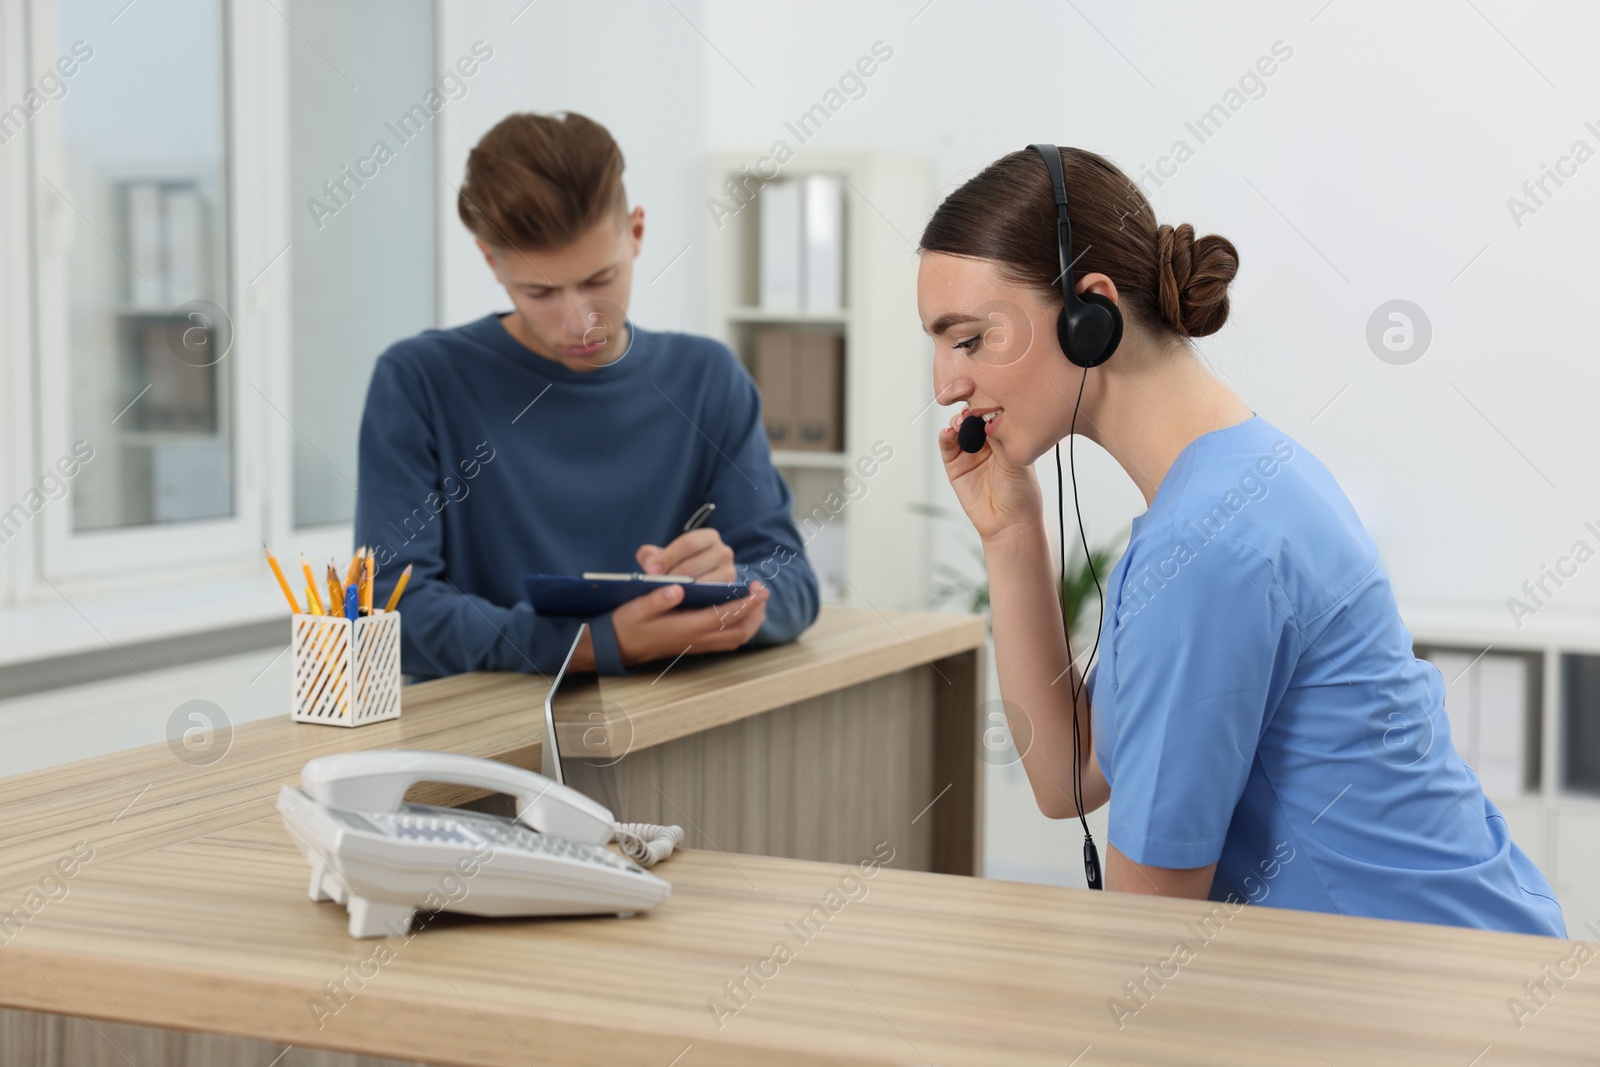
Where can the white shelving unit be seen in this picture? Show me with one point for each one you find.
(1557, 825)
(871, 549)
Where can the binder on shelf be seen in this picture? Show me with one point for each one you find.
(819, 369)
(182, 397)
(1491, 715)
(166, 231)
(143, 207)
(1502, 686)
(1460, 698)
(774, 371)
(823, 255)
(184, 277)
(781, 213)
(1580, 722)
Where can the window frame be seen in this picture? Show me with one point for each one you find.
(258, 286)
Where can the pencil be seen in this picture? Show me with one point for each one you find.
(355, 566)
(366, 586)
(399, 587)
(335, 591)
(283, 583)
(313, 598)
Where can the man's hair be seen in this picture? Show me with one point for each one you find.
(541, 181)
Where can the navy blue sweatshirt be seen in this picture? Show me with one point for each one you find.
(482, 462)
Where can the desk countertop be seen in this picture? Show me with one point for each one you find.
(191, 914)
(215, 933)
(146, 797)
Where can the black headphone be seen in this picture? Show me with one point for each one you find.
(1089, 327)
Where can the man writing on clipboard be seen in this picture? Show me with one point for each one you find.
(561, 438)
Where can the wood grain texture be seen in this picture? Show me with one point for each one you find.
(191, 915)
(957, 810)
(215, 934)
(149, 796)
(825, 779)
(75, 1041)
(761, 748)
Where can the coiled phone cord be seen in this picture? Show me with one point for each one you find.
(646, 843)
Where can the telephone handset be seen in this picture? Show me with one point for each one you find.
(378, 780)
(384, 858)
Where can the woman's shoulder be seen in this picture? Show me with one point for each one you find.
(1268, 498)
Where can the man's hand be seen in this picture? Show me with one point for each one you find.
(648, 628)
(699, 554)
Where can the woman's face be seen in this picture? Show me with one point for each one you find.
(995, 350)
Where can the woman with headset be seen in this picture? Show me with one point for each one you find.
(1255, 718)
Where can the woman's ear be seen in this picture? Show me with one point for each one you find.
(1097, 283)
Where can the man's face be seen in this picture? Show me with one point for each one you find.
(570, 302)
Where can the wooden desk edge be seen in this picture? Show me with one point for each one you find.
(750, 694)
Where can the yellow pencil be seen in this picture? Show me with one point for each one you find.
(283, 583)
(366, 586)
(313, 599)
(355, 567)
(399, 587)
(336, 595)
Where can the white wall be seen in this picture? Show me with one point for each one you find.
(634, 68)
(365, 276)
(1375, 166)
(84, 721)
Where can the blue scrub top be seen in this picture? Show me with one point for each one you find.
(1256, 704)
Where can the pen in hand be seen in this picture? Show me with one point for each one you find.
(654, 567)
(699, 517)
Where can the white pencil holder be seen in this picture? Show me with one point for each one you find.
(346, 673)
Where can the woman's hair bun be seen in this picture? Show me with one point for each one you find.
(1192, 278)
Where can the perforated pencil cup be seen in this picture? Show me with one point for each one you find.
(346, 673)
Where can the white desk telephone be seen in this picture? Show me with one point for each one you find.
(383, 858)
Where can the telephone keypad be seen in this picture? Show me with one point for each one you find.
(466, 828)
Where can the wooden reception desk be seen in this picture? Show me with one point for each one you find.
(183, 934)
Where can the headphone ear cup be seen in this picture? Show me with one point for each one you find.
(1116, 323)
(1092, 332)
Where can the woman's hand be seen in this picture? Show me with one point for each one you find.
(996, 495)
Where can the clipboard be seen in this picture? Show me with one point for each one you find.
(595, 593)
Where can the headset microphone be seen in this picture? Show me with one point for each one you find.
(1089, 328)
(971, 436)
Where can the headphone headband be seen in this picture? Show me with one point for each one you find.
(1089, 327)
(1052, 163)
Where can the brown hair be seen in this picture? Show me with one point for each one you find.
(540, 181)
(1165, 278)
